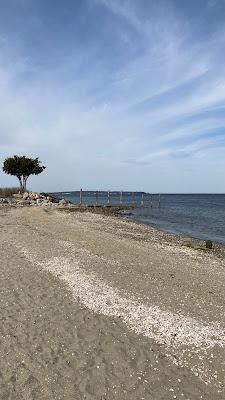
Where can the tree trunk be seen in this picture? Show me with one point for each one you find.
(24, 183)
(21, 183)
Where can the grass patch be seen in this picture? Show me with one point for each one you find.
(8, 192)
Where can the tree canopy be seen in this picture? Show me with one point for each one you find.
(22, 167)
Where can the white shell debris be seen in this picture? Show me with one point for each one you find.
(164, 327)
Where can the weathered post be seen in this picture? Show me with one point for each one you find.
(142, 199)
(108, 198)
(151, 200)
(159, 204)
(81, 196)
(121, 197)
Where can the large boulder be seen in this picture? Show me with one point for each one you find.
(49, 197)
(45, 203)
(62, 202)
(39, 202)
(5, 201)
(25, 196)
(32, 195)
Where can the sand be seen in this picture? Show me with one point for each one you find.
(96, 307)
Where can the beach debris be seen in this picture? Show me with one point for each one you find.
(165, 327)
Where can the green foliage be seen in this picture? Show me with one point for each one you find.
(22, 167)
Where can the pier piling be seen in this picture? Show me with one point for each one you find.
(159, 203)
(151, 200)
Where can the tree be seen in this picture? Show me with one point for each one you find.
(22, 167)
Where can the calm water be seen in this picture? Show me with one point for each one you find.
(198, 215)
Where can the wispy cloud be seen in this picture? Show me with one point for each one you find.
(144, 88)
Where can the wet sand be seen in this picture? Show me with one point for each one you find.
(94, 307)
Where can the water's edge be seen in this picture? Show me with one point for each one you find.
(192, 215)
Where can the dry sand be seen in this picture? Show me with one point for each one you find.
(94, 307)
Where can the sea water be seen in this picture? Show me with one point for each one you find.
(197, 215)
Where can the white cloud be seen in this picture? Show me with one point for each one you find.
(85, 126)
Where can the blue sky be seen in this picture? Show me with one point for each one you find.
(114, 94)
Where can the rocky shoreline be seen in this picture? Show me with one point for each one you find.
(47, 200)
(32, 199)
(124, 212)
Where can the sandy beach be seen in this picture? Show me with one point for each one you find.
(98, 307)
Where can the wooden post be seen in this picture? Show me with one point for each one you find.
(142, 199)
(108, 198)
(97, 198)
(121, 197)
(151, 200)
(81, 195)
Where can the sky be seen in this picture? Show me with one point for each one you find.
(115, 94)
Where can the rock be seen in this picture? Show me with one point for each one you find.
(39, 202)
(23, 202)
(43, 195)
(5, 201)
(126, 213)
(62, 202)
(48, 197)
(25, 195)
(45, 203)
(54, 200)
(208, 244)
(33, 199)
